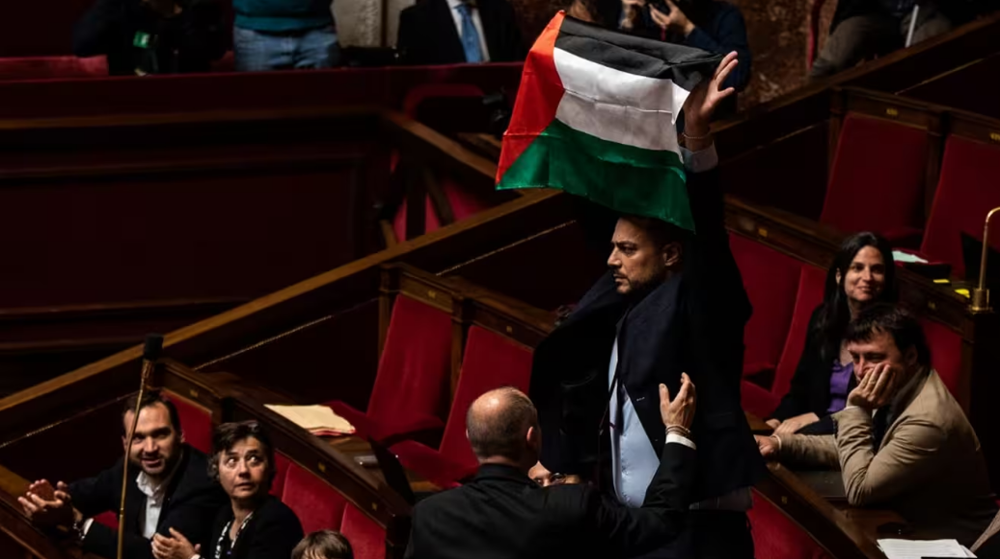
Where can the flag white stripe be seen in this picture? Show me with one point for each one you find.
(617, 106)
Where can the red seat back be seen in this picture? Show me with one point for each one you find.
(878, 175)
(490, 361)
(946, 353)
(966, 192)
(196, 422)
(809, 296)
(367, 538)
(415, 369)
(281, 464)
(771, 280)
(777, 537)
(463, 202)
(318, 505)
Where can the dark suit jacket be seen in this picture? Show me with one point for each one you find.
(192, 500)
(692, 323)
(810, 389)
(504, 514)
(427, 33)
(272, 532)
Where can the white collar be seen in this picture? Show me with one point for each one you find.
(156, 491)
(454, 4)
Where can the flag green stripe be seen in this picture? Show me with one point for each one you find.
(624, 178)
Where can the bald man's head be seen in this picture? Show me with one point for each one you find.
(503, 424)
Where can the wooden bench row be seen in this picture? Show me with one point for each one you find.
(204, 401)
(227, 397)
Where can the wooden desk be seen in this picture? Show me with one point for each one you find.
(353, 447)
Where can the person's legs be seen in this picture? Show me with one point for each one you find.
(854, 40)
(317, 48)
(255, 51)
(930, 22)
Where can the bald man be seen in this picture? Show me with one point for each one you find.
(504, 513)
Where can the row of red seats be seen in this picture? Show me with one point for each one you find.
(877, 184)
(411, 389)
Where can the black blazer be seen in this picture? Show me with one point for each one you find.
(192, 500)
(502, 513)
(272, 532)
(810, 388)
(692, 323)
(427, 33)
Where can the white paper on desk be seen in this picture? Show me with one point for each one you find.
(915, 549)
(900, 256)
(319, 420)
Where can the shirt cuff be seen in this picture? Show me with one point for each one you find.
(85, 527)
(680, 439)
(700, 161)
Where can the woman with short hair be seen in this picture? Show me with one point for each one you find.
(255, 525)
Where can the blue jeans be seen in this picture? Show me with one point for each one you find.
(258, 51)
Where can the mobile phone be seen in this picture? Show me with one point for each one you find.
(660, 5)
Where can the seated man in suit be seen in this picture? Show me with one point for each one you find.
(504, 513)
(456, 31)
(902, 442)
(169, 487)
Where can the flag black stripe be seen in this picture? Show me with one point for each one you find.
(685, 66)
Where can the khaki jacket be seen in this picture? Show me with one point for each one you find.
(929, 468)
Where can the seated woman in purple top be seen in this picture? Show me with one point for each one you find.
(863, 273)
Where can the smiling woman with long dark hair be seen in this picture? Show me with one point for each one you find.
(255, 525)
(863, 273)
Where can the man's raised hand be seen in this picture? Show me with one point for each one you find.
(678, 412)
(705, 99)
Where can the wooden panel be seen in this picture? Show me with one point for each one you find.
(970, 87)
(333, 357)
(384, 87)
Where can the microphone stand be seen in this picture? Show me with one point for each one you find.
(150, 353)
(981, 295)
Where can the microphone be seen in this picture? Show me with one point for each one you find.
(150, 354)
(981, 295)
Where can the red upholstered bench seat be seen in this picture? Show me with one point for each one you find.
(771, 280)
(411, 387)
(320, 506)
(196, 423)
(966, 191)
(775, 536)
(72, 67)
(883, 163)
(784, 294)
(490, 361)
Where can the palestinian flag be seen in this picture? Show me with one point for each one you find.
(596, 116)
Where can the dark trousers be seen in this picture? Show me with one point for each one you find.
(710, 535)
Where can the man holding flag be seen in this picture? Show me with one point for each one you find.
(595, 117)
